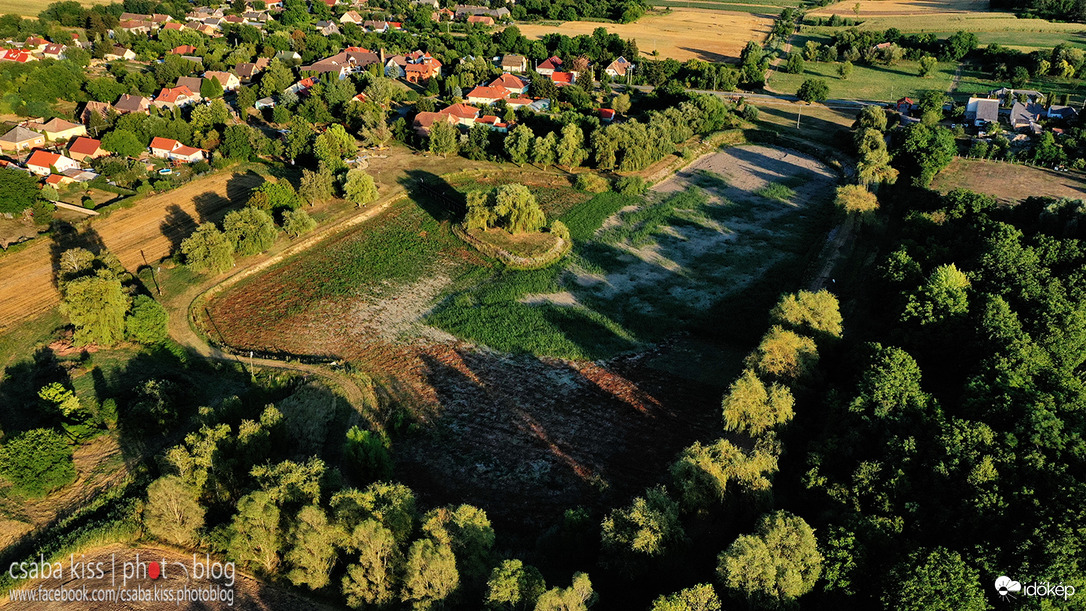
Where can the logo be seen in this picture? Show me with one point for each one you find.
(1005, 586)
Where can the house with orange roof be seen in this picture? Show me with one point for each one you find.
(419, 73)
(618, 68)
(229, 82)
(465, 115)
(549, 66)
(487, 95)
(562, 79)
(183, 50)
(176, 97)
(511, 83)
(86, 148)
(168, 148)
(494, 123)
(17, 56)
(41, 161)
(485, 20)
(424, 121)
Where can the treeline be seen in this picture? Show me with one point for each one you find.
(622, 11)
(1060, 10)
(954, 410)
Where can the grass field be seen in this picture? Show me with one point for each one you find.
(682, 33)
(31, 8)
(973, 82)
(765, 7)
(816, 123)
(868, 82)
(1007, 182)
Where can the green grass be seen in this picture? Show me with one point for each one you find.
(638, 227)
(776, 191)
(978, 83)
(868, 82)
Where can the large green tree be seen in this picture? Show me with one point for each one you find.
(250, 229)
(173, 512)
(775, 566)
(96, 305)
(208, 250)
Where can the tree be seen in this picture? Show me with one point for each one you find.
(96, 305)
(147, 322)
(317, 186)
(256, 536)
(1019, 77)
(276, 77)
(813, 90)
(518, 210)
(702, 472)
(173, 512)
(752, 408)
(945, 295)
(374, 578)
(245, 100)
(927, 65)
(621, 103)
(844, 70)
(468, 531)
(871, 117)
(359, 187)
(211, 88)
(430, 574)
(514, 585)
(123, 142)
(775, 566)
(367, 452)
(577, 597)
(444, 139)
(393, 505)
(929, 150)
(297, 222)
(250, 230)
(938, 580)
(208, 250)
(795, 64)
(18, 190)
(332, 146)
(37, 462)
(805, 311)
(648, 528)
(274, 197)
(518, 144)
(570, 150)
(785, 355)
(697, 598)
(210, 115)
(543, 150)
(313, 548)
(60, 399)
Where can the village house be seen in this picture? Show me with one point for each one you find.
(43, 162)
(102, 109)
(174, 27)
(513, 84)
(514, 63)
(167, 148)
(17, 56)
(176, 97)
(549, 66)
(326, 28)
(486, 95)
(288, 56)
(481, 20)
(1025, 116)
(466, 11)
(982, 111)
(229, 82)
(53, 51)
(465, 115)
(494, 123)
(183, 50)
(20, 138)
(351, 17)
(34, 43)
(353, 59)
(1065, 113)
(192, 82)
(133, 26)
(132, 103)
(1006, 95)
(424, 121)
(59, 129)
(618, 68)
(376, 26)
(248, 70)
(119, 52)
(563, 79)
(86, 148)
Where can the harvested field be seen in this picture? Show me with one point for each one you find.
(1007, 182)
(149, 230)
(247, 591)
(685, 33)
(31, 8)
(871, 8)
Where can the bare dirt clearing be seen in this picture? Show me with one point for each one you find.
(152, 228)
(870, 8)
(1007, 182)
(682, 34)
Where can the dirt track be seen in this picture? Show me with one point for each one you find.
(152, 229)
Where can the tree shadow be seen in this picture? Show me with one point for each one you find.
(19, 391)
(67, 236)
(177, 226)
(435, 195)
(210, 206)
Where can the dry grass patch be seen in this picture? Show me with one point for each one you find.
(1007, 182)
(521, 245)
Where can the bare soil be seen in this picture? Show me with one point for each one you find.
(1009, 183)
(871, 8)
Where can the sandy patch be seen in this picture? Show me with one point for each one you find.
(563, 299)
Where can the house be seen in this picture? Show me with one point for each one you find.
(515, 85)
(1026, 116)
(351, 17)
(1005, 93)
(326, 28)
(102, 109)
(485, 20)
(353, 59)
(176, 97)
(443, 15)
(514, 63)
(229, 82)
(234, 19)
(487, 95)
(208, 30)
(904, 105)
(17, 56)
(192, 82)
(53, 51)
(263, 103)
(424, 121)
(982, 111)
(466, 11)
(1065, 113)
(419, 73)
(176, 27)
(562, 79)
(59, 129)
(288, 56)
(183, 50)
(618, 68)
(375, 26)
(549, 66)
(302, 86)
(41, 162)
(132, 103)
(465, 115)
(274, 5)
(329, 3)
(167, 148)
(86, 148)
(606, 114)
(494, 123)
(135, 26)
(58, 180)
(434, 4)
(119, 52)
(394, 67)
(248, 70)
(79, 175)
(34, 43)
(21, 139)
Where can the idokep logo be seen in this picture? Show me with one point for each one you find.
(1007, 587)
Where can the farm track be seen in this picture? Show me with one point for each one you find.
(147, 232)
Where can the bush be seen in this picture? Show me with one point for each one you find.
(297, 222)
(750, 112)
(592, 183)
(813, 90)
(37, 462)
(146, 323)
(631, 185)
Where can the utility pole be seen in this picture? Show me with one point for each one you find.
(799, 114)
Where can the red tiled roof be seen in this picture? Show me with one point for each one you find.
(461, 111)
(170, 95)
(43, 159)
(551, 63)
(165, 144)
(508, 81)
(488, 93)
(85, 146)
(562, 78)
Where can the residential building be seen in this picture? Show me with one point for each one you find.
(176, 97)
(351, 17)
(513, 84)
(465, 115)
(192, 82)
(53, 51)
(549, 66)
(514, 63)
(183, 50)
(982, 111)
(167, 148)
(1006, 93)
(119, 52)
(102, 109)
(562, 79)
(248, 70)
(424, 121)
(42, 162)
(464, 11)
(618, 68)
(86, 148)
(20, 138)
(481, 20)
(59, 129)
(132, 103)
(487, 95)
(1065, 113)
(493, 122)
(229, 82)
(17, 56)
(326, 28)
(375, 26)
(1026, 116)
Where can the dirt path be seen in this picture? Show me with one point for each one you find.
(148, 231)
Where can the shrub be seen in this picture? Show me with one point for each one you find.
(592, 183)
(37, 462)
(776, 191)
(297, 222)
(631, 185)
(146, 323)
